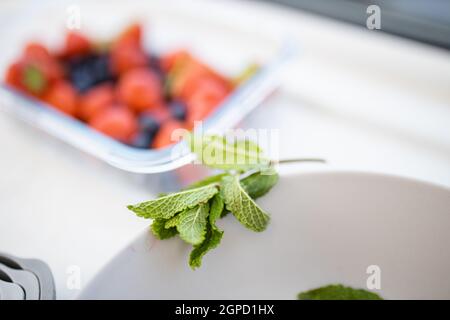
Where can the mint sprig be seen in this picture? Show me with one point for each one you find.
(193, 212)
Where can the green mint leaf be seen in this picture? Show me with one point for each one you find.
(160, 231)
(33, 79)
(208, 180)
(242, 205)
(192, 224)
(217, 152)
(213, 234)
(259, 183)
(338, 292)
(212, 240)
(169, 205)
(172, 222)
(217, 206)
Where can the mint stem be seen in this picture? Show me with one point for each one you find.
(295, 160)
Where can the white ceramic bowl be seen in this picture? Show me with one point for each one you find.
(326, 227)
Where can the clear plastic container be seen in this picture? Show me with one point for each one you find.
(226, 49)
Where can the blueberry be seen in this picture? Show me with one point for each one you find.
(87, 71)
(178, 110)
(101, 69)
(148, 124)
(142, 140)
(81, 79)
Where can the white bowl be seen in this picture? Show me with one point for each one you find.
(326, 227)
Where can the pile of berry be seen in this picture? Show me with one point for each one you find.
(118, 88)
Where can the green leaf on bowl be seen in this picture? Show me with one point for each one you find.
(338, 292)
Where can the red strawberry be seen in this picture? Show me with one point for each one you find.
(204, 100)
(125, 57)
(140, 89)
(13, 75)
(39, 69)
(63, 97)
(36, 51)
(116, 122)
(127, 52)
(169, 60)
(132, 35)
(96, 100)
(166, 135)
(76, 44)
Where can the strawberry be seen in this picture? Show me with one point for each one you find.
(76, 44)
(13, 75)
(204, 100)
(117, 122)
(36, 51)
(140, 89)
(166, 135)
(38, 69)
(127, 52)
(62, 96)
(132, 35)
(125, 57)
(188, 75)
(169, 60)
(96, 100)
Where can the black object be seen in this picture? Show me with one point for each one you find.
(178, 109)
(88, 71)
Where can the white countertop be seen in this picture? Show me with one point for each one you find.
(360, 99)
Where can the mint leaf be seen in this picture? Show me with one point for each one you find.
(212, 240)
(258, 184)
(160, 231)
(167, 206)
(213, 234)
(242, 206)
(172, 222)
(208, 180)
(338, 292)
(217, 207)
(217, 152)
(192, 224)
